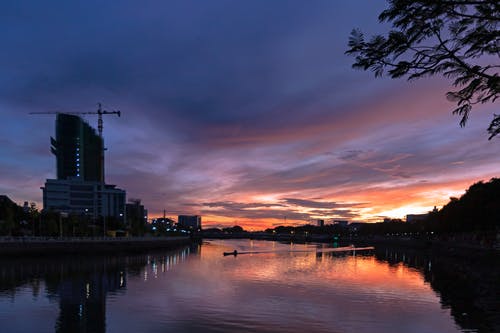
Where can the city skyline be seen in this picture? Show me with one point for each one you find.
(244, 113)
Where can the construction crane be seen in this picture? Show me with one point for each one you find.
(99, 113)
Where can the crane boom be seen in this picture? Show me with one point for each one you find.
(99, 114)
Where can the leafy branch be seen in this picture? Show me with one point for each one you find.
(450, 38)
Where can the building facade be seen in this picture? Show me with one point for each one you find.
(84, 198)
(137, 216)
(192, 222)
(412, 218)
(341, 223)
(78, 150)
(80, 187)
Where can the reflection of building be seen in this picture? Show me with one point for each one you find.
(189, 221)
(80, 287)
(82, 301)
(79, 187)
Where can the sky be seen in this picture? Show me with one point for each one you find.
(246, 112)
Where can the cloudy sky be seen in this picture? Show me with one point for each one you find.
(246, 112)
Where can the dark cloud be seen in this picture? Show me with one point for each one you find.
(319, 204)
(290, 209)
(239, 206)
(230, 108)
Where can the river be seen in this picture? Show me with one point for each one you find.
(283, 288)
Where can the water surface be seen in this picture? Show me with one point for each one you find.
(197, 289)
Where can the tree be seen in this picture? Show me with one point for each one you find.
(458, 39)
(234, 229)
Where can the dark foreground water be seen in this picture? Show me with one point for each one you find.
(196, 289)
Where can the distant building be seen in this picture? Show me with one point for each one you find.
(78, 150)
(355, 226)
(26, 207)
(165, 222)
(189, 221)
(341, 223)
(391, 220)
(412, 218)
(84, 197)
(320, 223)
(136, 212)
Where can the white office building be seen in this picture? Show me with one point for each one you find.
(90, 198)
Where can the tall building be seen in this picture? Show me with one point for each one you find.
(137, 216)
(78, 150)
(189, 221)
(79, 187)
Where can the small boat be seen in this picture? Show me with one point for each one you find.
(234, 253)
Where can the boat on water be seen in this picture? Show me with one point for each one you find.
(234, 253)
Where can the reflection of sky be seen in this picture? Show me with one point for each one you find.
(244, 112)
(281, 293)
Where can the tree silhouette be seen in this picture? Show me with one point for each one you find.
(457, 39)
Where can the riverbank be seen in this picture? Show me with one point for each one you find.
(39, 246)
(454, 247)
(449, 244)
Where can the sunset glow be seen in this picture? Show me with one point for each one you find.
(246, 117)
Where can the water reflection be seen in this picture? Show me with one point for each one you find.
(197, 289)
(468, 286)
(80, 285)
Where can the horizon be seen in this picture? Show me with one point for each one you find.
(244, 113)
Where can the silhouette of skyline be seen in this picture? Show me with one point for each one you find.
(243, 113)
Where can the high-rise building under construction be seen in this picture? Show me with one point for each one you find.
(79, 187)
(78, 149)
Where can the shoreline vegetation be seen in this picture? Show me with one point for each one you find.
(468, 223)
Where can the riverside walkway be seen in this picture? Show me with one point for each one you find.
(86, 245)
